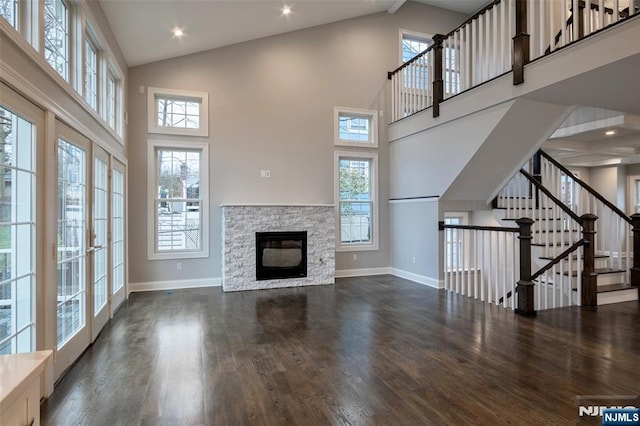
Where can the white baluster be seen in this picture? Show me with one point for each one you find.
(482, 266)
(495, 40)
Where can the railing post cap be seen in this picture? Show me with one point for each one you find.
(635, 216)
(525, 221)
(437, 38)
(589, 216)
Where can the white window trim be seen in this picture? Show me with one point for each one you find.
(152, 127)
(152, 145)
(372, 114)
(410, 33)
(373, 157)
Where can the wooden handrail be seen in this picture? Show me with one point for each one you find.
(588, 188)
(409, 62)
(442, 227)
(558, 258)
(548, 193)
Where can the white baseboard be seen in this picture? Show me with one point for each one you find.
(345, 273)
(175, 285)
(420, 279)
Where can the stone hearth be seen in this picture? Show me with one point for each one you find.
(239, 227)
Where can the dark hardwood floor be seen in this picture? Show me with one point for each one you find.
(374, 350)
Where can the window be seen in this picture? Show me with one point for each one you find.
(117, 227)
(9, 11)
(112, 101)
(177, 112)
(412, 44)
(113, 98)
(91, 73)
(356, 127)
(356, 193)
(453, 240)
(56, 36)
(17, 234)
(178, 200)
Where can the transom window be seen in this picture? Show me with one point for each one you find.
(179, 200)
(17, 233)
(56, 36)
(356, 127)
(91, 74)
(178, 112)
(356, 200)
(112, 100)
(9, 11)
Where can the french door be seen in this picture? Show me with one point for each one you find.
(118, 256)
(72, 247)
(99, 240)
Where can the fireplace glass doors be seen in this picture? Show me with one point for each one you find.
(281, 255)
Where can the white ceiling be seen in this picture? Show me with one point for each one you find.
(143, 28)
(582, 140)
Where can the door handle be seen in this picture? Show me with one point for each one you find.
(93, 248)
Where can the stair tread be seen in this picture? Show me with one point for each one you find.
(599, 271)
(539, 231)
(614, 287)
(598, 256)
(558, 244)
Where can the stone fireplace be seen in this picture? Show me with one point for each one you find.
(274, 246)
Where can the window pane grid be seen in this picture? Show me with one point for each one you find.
(355, 204)
(100, 221)
(118, 230)
(17, 234)
(56, 36)
(178, 203)
(71, 240)
(354, 128)
(9, 11)
(111, 102)
(178, 113)
(91, 74)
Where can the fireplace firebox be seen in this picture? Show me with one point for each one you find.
(281, 255)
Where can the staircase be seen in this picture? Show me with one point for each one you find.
(555, 199)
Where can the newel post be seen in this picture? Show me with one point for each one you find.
(520, 43)
(537, 175)
(525, 285)
(438, 82)
(635, 269)
(589, 276)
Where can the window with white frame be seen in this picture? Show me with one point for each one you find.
(356, 200)
(413, 43)
(178, 112)
(355, 127)
(112, 100)
(17, 233)
(56, 36)
(453, 240)
(91, 73)
(178, 200)
(9, 11)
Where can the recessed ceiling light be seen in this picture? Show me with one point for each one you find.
(610, 132)
(178, 32)
(286, 10)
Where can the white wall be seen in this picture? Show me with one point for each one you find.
(270, 107)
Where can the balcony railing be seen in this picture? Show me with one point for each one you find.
(502, 37)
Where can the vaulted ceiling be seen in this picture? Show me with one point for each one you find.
(144, 28)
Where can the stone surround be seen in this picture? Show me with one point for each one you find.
(240, 224)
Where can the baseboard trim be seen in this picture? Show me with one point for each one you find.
(346, 273)
(420, 279)
(174, 285)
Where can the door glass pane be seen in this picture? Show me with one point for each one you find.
(100, 219)
(17, 236)
(118, 230)
(71, 240)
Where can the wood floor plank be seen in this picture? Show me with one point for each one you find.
(369, 350)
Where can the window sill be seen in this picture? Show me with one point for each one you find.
(178, 255)
(354, 247)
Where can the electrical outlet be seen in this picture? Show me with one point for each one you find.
(267, 173)
(141, 89)
(179, 266)
(413, 260)
(355, 256)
